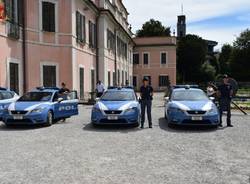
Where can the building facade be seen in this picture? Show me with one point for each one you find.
(155, 58)
(46, 42)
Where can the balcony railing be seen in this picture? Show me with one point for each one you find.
(13, 30)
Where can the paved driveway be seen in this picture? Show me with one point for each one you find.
(75, 152)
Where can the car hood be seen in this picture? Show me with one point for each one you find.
(193, 105)
(27, 106)
(116, 105)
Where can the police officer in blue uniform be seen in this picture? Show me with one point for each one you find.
(225, 93)
(146, 92)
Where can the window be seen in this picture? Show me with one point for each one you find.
(109, 78)
(14, 77)
(164, 81)
(145, 58)
(92, 35)
(122, 48)
(111, 40)
(48, 16)
(122, 77)
(163, 58)
(118, 81)
(114, 78)
(134, 81)
(136, 59)
(92, 80)
(80, 28)
(49, 80)
(81, 81)
(14, 15)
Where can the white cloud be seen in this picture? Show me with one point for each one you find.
(195, 10)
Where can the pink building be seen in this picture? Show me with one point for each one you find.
(155, 58)
(76, 42)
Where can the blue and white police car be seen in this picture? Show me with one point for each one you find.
(189, 105)
(6, 98)
(118, 106)
(41, 106)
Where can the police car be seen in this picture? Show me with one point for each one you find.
(41, 106)
(117, 106)
(189, 105)
(6, 98)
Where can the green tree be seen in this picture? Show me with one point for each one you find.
(225, 55)
(208, 72)
(240, 57)
(153, 28)
(191, 55)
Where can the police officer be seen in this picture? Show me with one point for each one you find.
(146, 93)
(225, 93)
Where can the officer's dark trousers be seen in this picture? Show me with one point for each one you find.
(146, 104)
(225, 106)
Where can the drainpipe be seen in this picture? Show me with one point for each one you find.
(115, 58)
(24, 47)
(97, 48)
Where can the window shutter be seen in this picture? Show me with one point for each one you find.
(45, 16)
(48, 10)
(8, 10)
(90, 34)
(52, 17)
(20, 12)
(77, 26)
(83, 29)
(94, 35)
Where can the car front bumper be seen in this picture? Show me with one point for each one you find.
(184, 119)
(36, 118)
(100, 118)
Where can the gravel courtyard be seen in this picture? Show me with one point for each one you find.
(74, 152)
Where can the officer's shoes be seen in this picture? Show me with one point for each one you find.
(220, 125)
(230, 125)
(150, 126)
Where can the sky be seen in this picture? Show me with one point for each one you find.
(218, 20)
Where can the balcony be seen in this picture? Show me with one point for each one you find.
(13, 30)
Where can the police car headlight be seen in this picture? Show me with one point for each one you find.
(175, 109)
(4, 107)
(96, 109)
(130, 110)
(38, 110)
(212, 111)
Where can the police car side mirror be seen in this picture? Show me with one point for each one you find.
(97, 99)
(212, 98)
(167, 98)
(60, 100)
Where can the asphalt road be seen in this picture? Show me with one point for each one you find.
(74, 152)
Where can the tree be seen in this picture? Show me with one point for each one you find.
(191, 55)
(243, 41)
(240, 57)
(225, 55)
(153, 28)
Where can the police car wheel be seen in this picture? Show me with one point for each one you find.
(49, 118)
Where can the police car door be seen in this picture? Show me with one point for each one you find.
(72, 104)
(59, 106)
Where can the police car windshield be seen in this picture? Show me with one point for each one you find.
(118, 96)
(4, 95)
(189, 95)
(36, 97)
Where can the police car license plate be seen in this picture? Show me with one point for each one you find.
(17, 117)
(112, 117)
(197, 118)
